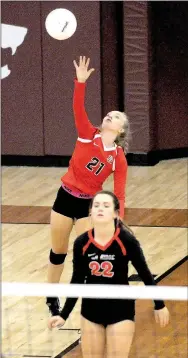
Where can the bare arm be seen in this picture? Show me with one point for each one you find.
(84, 127)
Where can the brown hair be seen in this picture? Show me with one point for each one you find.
(118, 222)
(123, 138)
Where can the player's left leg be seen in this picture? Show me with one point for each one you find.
(92, 339)
(119, 338)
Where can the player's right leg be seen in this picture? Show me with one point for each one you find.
(61, 227)
(92, 339)
(61, 224)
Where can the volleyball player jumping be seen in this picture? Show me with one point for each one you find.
(101, 256)
(98, 153)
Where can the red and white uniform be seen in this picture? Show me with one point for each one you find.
(91, 162)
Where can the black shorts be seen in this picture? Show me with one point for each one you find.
(71, 206)
(108, 311)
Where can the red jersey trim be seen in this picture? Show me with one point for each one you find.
(86, 246)
(123, 249)
(103, 247)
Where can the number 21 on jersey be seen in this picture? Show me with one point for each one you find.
(103, 269)
(93, 163)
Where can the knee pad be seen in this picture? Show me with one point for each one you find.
(57, 259)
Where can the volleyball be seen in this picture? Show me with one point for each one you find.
(61, 24)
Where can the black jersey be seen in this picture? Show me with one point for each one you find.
(97, 264)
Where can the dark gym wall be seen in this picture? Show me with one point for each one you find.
(111, 56)
(37, 116)
(140, 54)
(170, 31)
(156, 74)
(136, 74)
(21, 91)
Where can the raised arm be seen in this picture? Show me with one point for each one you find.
(85, 129)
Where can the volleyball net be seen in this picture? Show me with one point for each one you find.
(25, 317)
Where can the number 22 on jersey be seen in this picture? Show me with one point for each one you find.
(103, 269)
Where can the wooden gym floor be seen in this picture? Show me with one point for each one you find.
(156, 201)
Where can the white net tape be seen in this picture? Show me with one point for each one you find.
(25, 315)
(179, 293)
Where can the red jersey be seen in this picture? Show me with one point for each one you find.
(91, 162)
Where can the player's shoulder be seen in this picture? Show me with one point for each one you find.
(81, 240)
(121, 155)
(128, 238)
(120, 150)
(87, 136)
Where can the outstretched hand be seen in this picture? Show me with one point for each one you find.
(162, 316)
(82, 71)
(55, 321)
